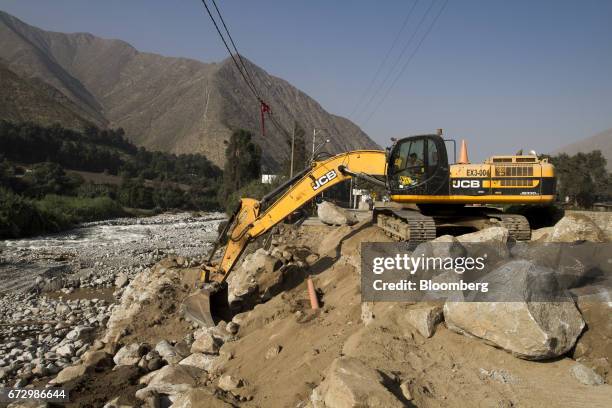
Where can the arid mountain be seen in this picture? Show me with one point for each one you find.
(170, 104)
(601, 141)
(23, 100)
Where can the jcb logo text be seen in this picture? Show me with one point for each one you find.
(324, 179)
(466, 183)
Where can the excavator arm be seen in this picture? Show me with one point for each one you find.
(253, 218)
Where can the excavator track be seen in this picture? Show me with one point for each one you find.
(414, 227)
(517, 225)
(406, 225)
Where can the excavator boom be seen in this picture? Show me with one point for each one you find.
(251, 220)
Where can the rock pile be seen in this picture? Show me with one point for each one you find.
(42, 336)
(201, 367)
(351, 383)
(265, 273)
(35, 339)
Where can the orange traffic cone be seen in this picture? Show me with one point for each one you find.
(463, 155)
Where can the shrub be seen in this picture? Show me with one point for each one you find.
(19, 216)
(72, 210)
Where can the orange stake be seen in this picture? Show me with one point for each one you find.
(312, 294)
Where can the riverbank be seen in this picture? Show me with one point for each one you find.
(23, 217)
(277, 351)
(58, 284)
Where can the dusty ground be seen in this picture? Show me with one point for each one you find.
(283, 348)
(446, 370)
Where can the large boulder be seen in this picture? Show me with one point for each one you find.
(603, 219)
(350, 383)
(130, 355)
(594, 348)
(28, 403)
(199, 360)
(171, 380)
(541, 234)
(243, 283)
(200, 397)
(229, 383)
(447, 246)
(489, 243)
(97, 359)
(116, 403)
(491, 234)
(575, 264)
(84, 333)
(331, 214)
(70, 374)
(576, 227)
(528, 329)
(424, 318)
(168, 352)
(207, 343)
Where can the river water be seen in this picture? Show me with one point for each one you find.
(102, 250)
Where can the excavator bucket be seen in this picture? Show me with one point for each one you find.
(196, 307)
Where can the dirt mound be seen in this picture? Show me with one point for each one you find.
(445, 370)
(283, 354)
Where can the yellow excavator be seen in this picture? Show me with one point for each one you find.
(427, 196)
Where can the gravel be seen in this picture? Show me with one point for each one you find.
(58, 291)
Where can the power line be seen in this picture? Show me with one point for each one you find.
(235, 48)
(244, 72)
(397, 60)
(384, 60)
(230, 51)
(431, 26)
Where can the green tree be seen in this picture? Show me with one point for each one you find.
(7, 171)
(255, 189)
(134, 194)
(582, 178)
(18, 216)
(242, 162)
(168, 196)
(49, 178)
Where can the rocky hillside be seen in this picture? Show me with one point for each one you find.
(170, 104)
(23, 99)
(601, 141)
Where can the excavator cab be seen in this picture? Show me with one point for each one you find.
(418, 165)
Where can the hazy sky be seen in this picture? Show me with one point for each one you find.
(504, 75)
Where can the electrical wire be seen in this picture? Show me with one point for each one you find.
(384, 60)
(410, 58)
(235, 48)
(397, 60)
(230, 51)
(244, 72)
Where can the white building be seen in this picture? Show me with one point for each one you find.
(268, 178)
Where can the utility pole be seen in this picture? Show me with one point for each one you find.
(292, 151)
(315, 131)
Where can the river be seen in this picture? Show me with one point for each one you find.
(96, 253)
